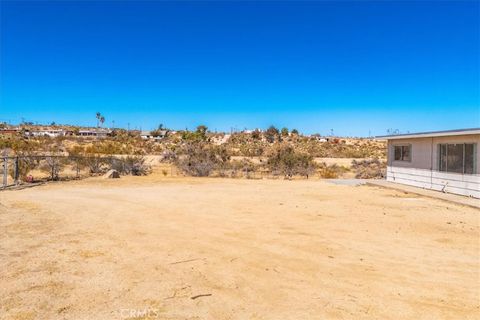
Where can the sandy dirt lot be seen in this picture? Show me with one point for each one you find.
(182, 248)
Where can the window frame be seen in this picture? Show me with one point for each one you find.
(401, 145)
(439, 157)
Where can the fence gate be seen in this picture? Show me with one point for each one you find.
(9, 171)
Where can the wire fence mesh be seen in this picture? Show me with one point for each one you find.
(29, 169)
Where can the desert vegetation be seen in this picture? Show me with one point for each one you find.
(370, 169)
(275, 153)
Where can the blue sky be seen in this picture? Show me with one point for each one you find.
(354, 67)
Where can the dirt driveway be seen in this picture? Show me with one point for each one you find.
(178, 248)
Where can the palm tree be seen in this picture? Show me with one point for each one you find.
(100, 121)
(98, 118)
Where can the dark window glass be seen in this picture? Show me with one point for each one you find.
(469, 156)
(443, 157)
(406, 153)
(402, 153)
(398, 153)
(455, 158)
(459, 158)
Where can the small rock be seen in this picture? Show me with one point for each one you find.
(111, 174)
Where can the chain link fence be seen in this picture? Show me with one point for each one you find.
(9, 171)
(31, 169)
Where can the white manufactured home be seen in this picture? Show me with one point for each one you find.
(445, 161)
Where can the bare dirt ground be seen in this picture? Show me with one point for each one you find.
(182, 248)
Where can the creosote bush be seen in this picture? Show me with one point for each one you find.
(284, 160)
(199, 159)
(130, 165)
(369, 169)
(53, 165)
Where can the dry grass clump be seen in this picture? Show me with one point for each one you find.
(332, 171)
(370, 169)
(244, 167)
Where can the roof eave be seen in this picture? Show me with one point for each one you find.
(433, 134)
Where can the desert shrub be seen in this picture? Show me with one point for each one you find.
(130, 165)
(19, 145)
(201, 159)
(168, 156)
(78, 164)
(245, 166)
(369, 169)
(111, 147)
(329, 172)
(53, 165)
(222, 159)
(288, 162)
(136, 166)
(95, 163)
(247, 149)
(199, 135)
(96, 157)
(306, 167)
(272, 134)
(256, 134)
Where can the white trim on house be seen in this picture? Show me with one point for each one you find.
(447, 133)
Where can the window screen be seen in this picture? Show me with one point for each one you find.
(458, 158)
(406, 153)
(443, 157)
(398, 153)
(469, 158)
(455, 158)
(402, 153)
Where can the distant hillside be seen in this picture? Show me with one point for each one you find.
(66, 139)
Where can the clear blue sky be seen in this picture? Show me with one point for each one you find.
(353, 67)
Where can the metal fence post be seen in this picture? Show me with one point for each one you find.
(16, 171)
(77, 167)
(5, 171)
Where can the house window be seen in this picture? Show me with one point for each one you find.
(458, 158)
(403, 153)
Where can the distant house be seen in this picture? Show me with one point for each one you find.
(443, 160)
(319, 138)
(94, 133)
(155, 136)
(52, 133)
(9, 131)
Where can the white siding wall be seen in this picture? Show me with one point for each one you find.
(422, 170)
(464, 184)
